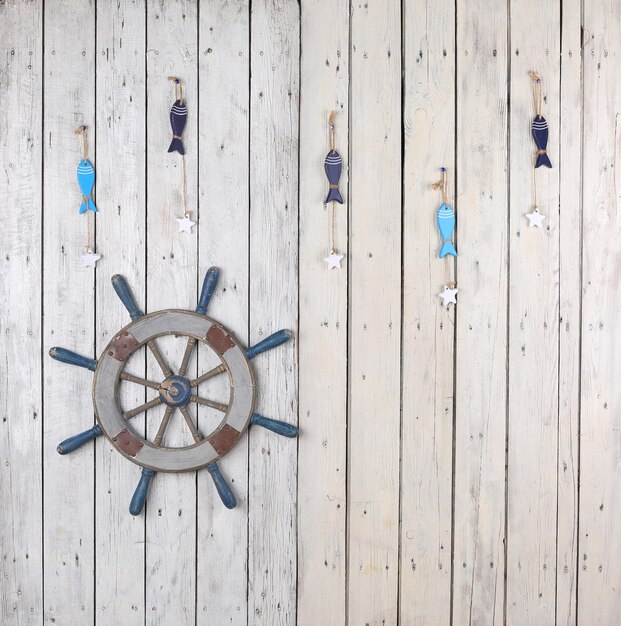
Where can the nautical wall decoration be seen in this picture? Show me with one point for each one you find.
(333, 166)
(86, 181)
(446, 225)
(178, 119)
(176, 391)
(539, 127)
(539, 130)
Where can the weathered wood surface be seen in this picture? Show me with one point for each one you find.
(21, 550)
(375, 314)
(533, 411)
(68, 318)
(223, 64)
(121, 239)
(428, 327)
(273, 304)
(453, 465)
(322, 469)
(481, 319)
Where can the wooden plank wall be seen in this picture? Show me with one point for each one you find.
(454, 466)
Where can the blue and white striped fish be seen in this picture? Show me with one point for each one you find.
(446, 225)
(178, 118)
(333, 166)
(539, 130)
(86, 180)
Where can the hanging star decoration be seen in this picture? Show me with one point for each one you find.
(535, 218)
(449, 295)
(334, 260)
(90, 258)
(185, 224)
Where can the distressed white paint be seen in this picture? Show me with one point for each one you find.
(481, 325)
(121, 240)
(68, 314)
(375, 314)
(533, 322)
(428, 326)
(21, 592)
(322, 471)
(224, 63)
(273, 305)
(404, 422)
(599, 600)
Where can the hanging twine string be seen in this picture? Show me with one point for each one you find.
(442, 184)
(178, 88)
(82, 131)
(537, 93)
(332, 141)
(179, 97)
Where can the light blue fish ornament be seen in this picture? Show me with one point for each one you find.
(446, 226)
(445, 219)
(86, 180)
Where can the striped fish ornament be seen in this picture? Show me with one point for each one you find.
(539, 130)
(86, 180)
(333, 165)
(446, 225)
(178, 118)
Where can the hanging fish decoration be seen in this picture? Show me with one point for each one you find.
(539, 126)
(446, 225)
(539, 129)
(333, 165)
(178, 118)
(86, 180)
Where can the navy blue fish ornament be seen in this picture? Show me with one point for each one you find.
(178, 118)
(539, 129)
(333, 165)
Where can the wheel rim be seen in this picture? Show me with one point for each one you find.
(175, 391)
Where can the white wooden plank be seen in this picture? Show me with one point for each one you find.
(599, 601)
(21, 593)
(171, 283)
(481, 351)
(375, 313)
(68, 306)
(570, 227)
(121, 164)
(533, 323)
(224, 65)
(274, 100)
(428, 327)
(322, 472)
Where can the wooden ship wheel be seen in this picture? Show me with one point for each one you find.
(176, 391)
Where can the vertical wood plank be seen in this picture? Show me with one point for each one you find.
(570, 237)
(481, 350)
(171, 283)
(21, 593)
(68, 306)
(375, 313)
(273, 305)
(224, 66)
(428, 327)
(599, 601)
(121, 240)
(533, 322)
(322, 557)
